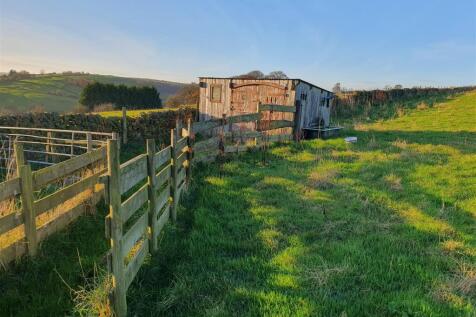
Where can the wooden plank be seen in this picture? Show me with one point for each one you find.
(10, 188)
(180, 145)
(181, 159)
(181, 175)
(173, 181)
(12, 252)
(28, 208)
(152, 185)
(162, 220)
(66, 193)
(116, 224)
(135, 263)
(10, 221)
(275, 124)
(136, 232)
(133, 203)
(243, 134)
(209, 144)
(162, 157)
(163, 198)
(164, 175)
(249, 117)
(277, 108)
(198, 127)
(68, 217)
(133, 172)
(49, 174)
(279, 137)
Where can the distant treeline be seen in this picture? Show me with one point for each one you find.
(120, 96)
(384, 103)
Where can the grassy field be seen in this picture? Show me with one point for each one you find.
(60, 93)
(382, 227)
(138, 113)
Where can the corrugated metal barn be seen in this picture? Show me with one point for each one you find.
(236, 96)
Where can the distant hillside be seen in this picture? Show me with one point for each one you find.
(60, 92)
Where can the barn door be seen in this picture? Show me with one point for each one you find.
(245, 98)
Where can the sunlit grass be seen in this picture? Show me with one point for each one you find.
(382, 227)
(138, 113)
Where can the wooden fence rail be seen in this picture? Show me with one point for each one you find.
(49, 199)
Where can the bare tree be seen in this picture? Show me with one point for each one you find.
(254, 74)
(337, 88)
(277, 74)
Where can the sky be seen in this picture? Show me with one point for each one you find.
(362, 44)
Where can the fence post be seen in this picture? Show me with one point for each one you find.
(124, 125)
(152, 188)
(118, 272)
(189, 151)
(29, 215)
(48, 146)
(89, 141)
(19, 156)
(173, 145)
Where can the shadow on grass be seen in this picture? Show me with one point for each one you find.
(258, 239)
(40, 286)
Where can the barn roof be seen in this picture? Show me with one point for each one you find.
(297, 79)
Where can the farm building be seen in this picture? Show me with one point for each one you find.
(236, 96)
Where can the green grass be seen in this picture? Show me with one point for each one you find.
(138, 113)
(60, 93)
(383, 227)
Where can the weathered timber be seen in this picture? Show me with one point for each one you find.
(136, 262)
(28, 209)
(117, 265)
(249, 117)
(133, 172)
(10, 221)
(164, 175)
(68, 192)
(134, 234)
(10, 188)
(277, 108)
(52, 173)
(152, 182)
(134, 202)
(162, 157)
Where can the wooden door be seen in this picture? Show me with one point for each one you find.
(246, 96)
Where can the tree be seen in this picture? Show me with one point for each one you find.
(95, 93)
(277, 74)
(187, 95)
(254, 74)
(336, 89)
(398, 86)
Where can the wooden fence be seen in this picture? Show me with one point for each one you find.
(143, 193)
(35, 204)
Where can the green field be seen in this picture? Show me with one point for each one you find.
(382, 227)
(60, 93)
(138, 113)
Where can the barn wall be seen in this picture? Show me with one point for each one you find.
(252, 96)
(313, 105)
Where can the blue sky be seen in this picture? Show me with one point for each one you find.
(362, 44)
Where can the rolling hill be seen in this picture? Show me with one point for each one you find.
(60, 92)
